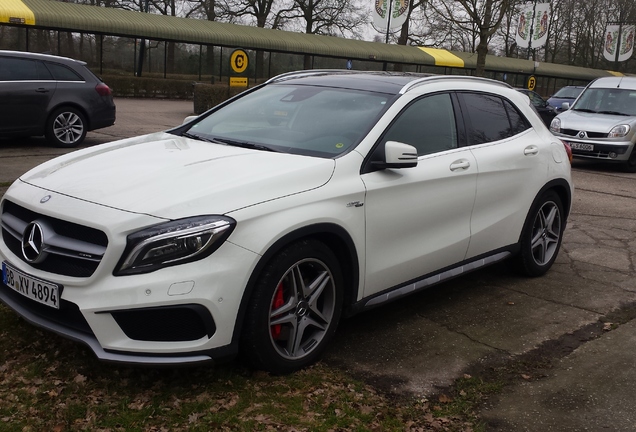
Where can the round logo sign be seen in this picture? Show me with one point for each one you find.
(532, 82)
(239, 61)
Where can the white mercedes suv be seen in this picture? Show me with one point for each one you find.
(256, 226)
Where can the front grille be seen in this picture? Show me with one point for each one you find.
(167, 323)
(592, 135)
(75, 251)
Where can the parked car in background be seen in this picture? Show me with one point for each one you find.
(54, 96)
(546, 111)
(254, 227)
(601, 124)
(565, 94)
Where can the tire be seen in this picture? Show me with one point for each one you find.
(294, 309)
(66, 127)
(630, 165)
(542, 235)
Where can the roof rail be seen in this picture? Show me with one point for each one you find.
(302, 73)
(427, 79)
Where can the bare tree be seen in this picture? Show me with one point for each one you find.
(480, 18)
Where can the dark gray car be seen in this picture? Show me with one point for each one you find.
(54, 96)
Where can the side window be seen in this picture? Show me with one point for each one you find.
(16, 69)
(491, 118)
(518, 123)
(62, 73)
(428, 124)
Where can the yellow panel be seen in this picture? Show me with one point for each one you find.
(443, 57)
(15, 12)
(616, 73)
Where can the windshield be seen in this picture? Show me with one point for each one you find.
(310, 120)
(607, 101)
(568, 93)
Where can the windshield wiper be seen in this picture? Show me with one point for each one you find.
(242, 144)
(584, 110)
(613, 113)
(202, 138)
(249, 145)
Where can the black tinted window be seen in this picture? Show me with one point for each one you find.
(62, 73)
(518, 123)
(490, 119)
(16, 69)
(428, 124)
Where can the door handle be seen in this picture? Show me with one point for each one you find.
(531, 150)
(460, 165)
(41, 90)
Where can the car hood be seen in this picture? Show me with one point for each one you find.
(578, 120)
(172, 177)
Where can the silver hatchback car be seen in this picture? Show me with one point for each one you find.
(601, 124)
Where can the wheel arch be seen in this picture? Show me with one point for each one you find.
(562, 188)
(337, 240)
(69, 104)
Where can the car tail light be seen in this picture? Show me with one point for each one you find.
(568, 150)
(103, 89)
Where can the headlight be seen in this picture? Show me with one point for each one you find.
(172, 243)
(618, 131)
(555, 125)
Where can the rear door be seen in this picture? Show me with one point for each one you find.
(26, 88)
(512, 168)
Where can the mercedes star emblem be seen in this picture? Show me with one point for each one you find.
(33, 243)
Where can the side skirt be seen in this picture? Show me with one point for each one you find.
(430, 280)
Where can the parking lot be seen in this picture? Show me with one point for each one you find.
(572, 330)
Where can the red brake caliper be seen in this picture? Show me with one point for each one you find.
(278, 302)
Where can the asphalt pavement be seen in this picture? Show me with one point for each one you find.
(563, 345)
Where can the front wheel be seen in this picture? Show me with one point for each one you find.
(542, 235)
(66, 127)
(630, 165)
(294, 310)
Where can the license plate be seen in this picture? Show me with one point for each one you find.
(581, 146)
(36, 289)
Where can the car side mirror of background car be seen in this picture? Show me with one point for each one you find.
(397, 155)
(189, 118)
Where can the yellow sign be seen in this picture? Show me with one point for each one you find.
(532, 82)
(16, 12)
(239, 61)
(238, 81)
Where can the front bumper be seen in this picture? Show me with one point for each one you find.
(602, 150)
(113, 315)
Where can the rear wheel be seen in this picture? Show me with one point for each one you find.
(66, 127)
(294, 310)
(542, 235)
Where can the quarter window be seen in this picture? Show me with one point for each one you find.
(428, 124)
(62, 73)
(492, 118)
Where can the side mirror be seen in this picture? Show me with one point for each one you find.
(398, 155)
(188, 119)
(565, 106)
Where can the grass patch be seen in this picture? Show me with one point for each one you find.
(6, 184)
(50, 383)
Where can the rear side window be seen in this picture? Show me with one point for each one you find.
(62, 73)
(16, 69)
(492, 118)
